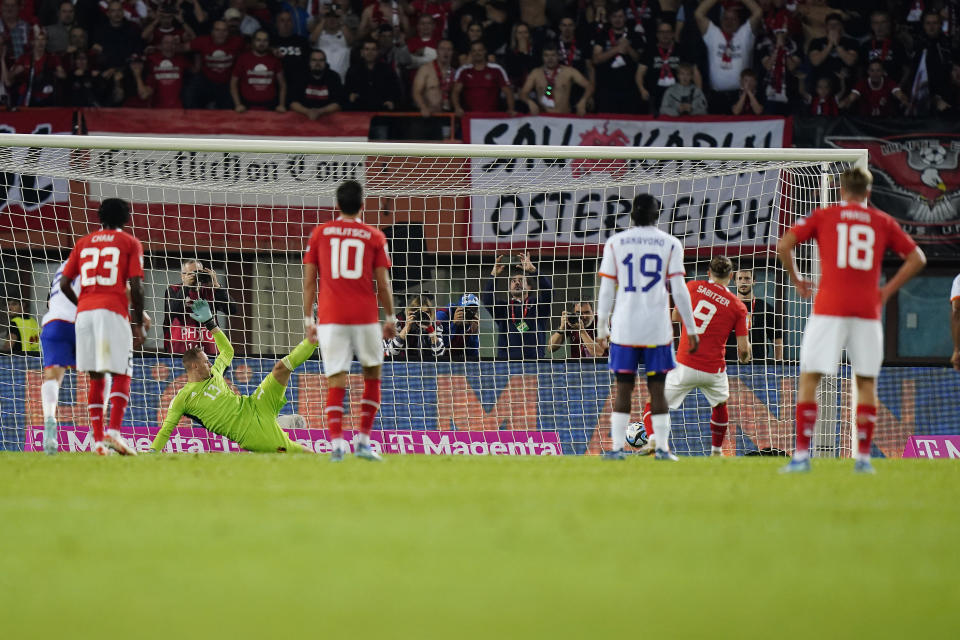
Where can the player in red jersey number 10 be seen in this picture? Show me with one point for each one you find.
(346, 256)
(852, 238)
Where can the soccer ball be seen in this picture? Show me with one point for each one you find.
(636, 434)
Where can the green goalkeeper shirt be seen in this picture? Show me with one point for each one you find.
(211, 402)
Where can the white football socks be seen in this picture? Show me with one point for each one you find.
(339, 444)
(661, 427)
(618, 430)
(362, 438)
(49, 394)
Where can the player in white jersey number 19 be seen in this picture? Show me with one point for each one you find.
(636, 267)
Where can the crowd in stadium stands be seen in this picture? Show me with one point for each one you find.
(315, 57)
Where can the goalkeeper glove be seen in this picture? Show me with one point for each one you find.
(203, 314)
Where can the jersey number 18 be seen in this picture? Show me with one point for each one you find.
(855, 246)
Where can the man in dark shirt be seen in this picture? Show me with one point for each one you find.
(522, 319)
(836, 54)
(616, 52)
(766, 326)
(371, 85)
(461, 327)
(116, 40)
(290, 48)
(321, 92)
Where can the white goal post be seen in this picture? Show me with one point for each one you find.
(245, 207)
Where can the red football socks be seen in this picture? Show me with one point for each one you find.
(647, 418)
(119, 398)
(95, 407)
(719, 417)
(866, 423)
(369, 404)
(334, 411)
(806, 419)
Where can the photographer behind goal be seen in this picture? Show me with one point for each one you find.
(420, 335)
(578, 329)
(461, 328)
(180, 331)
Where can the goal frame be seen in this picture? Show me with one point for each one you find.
(823, 157)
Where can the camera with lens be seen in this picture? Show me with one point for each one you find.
(574, 319)
(470, 312)
(421, 320)
(203, 279)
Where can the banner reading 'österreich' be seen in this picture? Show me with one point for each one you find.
(549, 207)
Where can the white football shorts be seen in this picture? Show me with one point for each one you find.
(825, 337)
(683, 379)
(104, 342)
(339, 343)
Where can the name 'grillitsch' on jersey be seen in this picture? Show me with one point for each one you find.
(346, 253)
(641, 260)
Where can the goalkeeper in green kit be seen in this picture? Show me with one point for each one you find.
(250, 421)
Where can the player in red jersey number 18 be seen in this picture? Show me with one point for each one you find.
(852, 238)
(346, 256)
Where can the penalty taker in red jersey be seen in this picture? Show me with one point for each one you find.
(716, 312)
(852, 238)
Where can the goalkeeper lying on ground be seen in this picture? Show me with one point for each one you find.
(250, 421)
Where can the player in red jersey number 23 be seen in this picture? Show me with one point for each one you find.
(852, 238)
(348, 256)
(104, 261)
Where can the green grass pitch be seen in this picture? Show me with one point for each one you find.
(175, 546)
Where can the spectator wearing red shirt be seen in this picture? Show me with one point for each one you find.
(36, 74)
(217, 53)
(438, 11)
(423, 46)
(875, 95)
(372, 85)
(165, 23)
(257, 81)
(321, 91)
(166, 70)
(477, 86)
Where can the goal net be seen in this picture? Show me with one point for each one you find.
(499, 364)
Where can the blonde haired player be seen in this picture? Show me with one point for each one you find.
(716, 312)
(852, 238)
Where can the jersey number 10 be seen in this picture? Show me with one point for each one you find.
(855, 246)
(340, 264)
